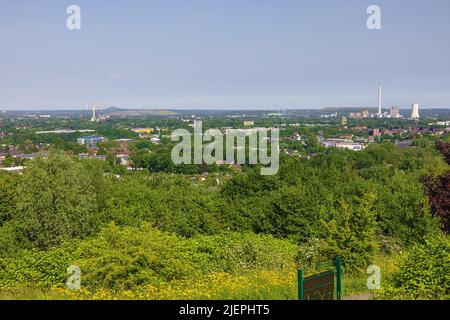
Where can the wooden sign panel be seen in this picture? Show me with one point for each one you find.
(319, 286)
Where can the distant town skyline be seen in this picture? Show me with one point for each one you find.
(214, 54)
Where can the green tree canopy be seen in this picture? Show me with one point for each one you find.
(56, 200)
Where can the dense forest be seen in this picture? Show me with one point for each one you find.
(232, 234)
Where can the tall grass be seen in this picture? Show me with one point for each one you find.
(256, 285)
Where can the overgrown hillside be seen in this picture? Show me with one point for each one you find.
(158, 236)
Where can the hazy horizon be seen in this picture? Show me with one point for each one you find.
(223, 55)
(212, 108)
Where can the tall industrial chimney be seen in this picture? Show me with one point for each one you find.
(379, 99)
(94, 118)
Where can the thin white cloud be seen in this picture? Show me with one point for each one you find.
(115, 76)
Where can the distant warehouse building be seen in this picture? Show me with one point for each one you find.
(90, 156)
(13, 169)
(23, 156)
(342, 144)
(350, 146)
(90, 141)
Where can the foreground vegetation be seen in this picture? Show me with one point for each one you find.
(162, 236)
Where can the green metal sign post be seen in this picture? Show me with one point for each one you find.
(337, 263)
(300, 284)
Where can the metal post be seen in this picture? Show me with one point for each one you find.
(300, 284)
(338, 278)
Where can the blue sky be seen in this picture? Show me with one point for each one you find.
(223, 54)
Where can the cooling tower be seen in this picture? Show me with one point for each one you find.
(415, 111)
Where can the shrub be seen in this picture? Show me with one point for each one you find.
(240, 252)
(402, 208)
(439, 198)
(351, 234)
(37, 268)
(11, 241)
(425, 274)
(167, 207)
(122, 258)
(128, 257)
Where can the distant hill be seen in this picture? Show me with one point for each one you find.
(123, 112)
(112, 109)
